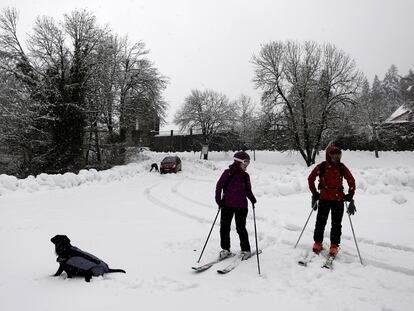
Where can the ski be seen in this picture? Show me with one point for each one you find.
(235, 263)
(329, 263)
(308, 259)
(211, 263)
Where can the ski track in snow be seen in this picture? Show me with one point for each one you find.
(351, 257)
(387, 245)
(347, 257)
(264, 243)
(265, 237)
(179, 211)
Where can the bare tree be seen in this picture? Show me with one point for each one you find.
(247, 120)
(208, 111)
(309, 81)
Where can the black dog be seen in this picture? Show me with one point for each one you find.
(154, 166)
(76, 262)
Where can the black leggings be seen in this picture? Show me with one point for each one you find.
(225, 224)
(337, 212)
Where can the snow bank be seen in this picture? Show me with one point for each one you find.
(68, 180)
(273, 173)
(399, 198)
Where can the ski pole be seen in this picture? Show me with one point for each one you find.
(306, 223)
(255, 235)
(205, 244)
(353, 233)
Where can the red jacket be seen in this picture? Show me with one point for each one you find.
(330, 184)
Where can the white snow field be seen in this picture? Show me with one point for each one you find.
(154, 227)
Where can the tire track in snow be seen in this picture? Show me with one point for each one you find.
(174, 190)
(159, 203)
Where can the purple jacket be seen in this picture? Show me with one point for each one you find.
(238, 187)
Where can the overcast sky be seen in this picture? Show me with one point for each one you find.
(210, 43)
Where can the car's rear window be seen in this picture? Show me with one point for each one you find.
(169, 160)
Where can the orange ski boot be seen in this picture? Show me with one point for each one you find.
(317, 247)
(333, 250)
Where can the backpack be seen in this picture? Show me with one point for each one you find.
(322, 169)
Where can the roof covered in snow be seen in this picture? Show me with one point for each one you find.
(402, 114)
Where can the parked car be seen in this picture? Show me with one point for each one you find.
(170, 164)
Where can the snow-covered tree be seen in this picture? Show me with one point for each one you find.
(75, 77)
(23, 114)
(372, 110)
(407, 89)
(392, 90)
(139, 86)
(124, 88)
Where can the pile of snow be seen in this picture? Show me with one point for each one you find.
(399, 198)
(274, 173)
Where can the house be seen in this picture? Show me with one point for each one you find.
(401, 115)
(397, 132)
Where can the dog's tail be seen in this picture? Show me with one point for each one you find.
(116, 270)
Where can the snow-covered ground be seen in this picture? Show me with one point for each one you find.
(154, 227)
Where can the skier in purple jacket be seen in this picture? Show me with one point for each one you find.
(235, 186)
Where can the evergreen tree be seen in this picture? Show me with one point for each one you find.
(392, 89)
(407, 90)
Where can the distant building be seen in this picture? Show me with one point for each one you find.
(142, 131)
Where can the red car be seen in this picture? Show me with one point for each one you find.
(170, 164)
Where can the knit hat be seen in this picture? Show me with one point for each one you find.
(242, 157)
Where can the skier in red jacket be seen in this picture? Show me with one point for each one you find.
(331, 197)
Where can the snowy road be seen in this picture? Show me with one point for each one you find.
(154, 227)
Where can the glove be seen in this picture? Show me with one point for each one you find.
(348, 197)
(315, 199)
(351, 208)
(253, 200)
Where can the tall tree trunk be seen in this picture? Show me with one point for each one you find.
(89, 144)
(98, 148)
(374, 128)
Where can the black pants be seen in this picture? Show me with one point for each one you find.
(225, 224)
(337, 212)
